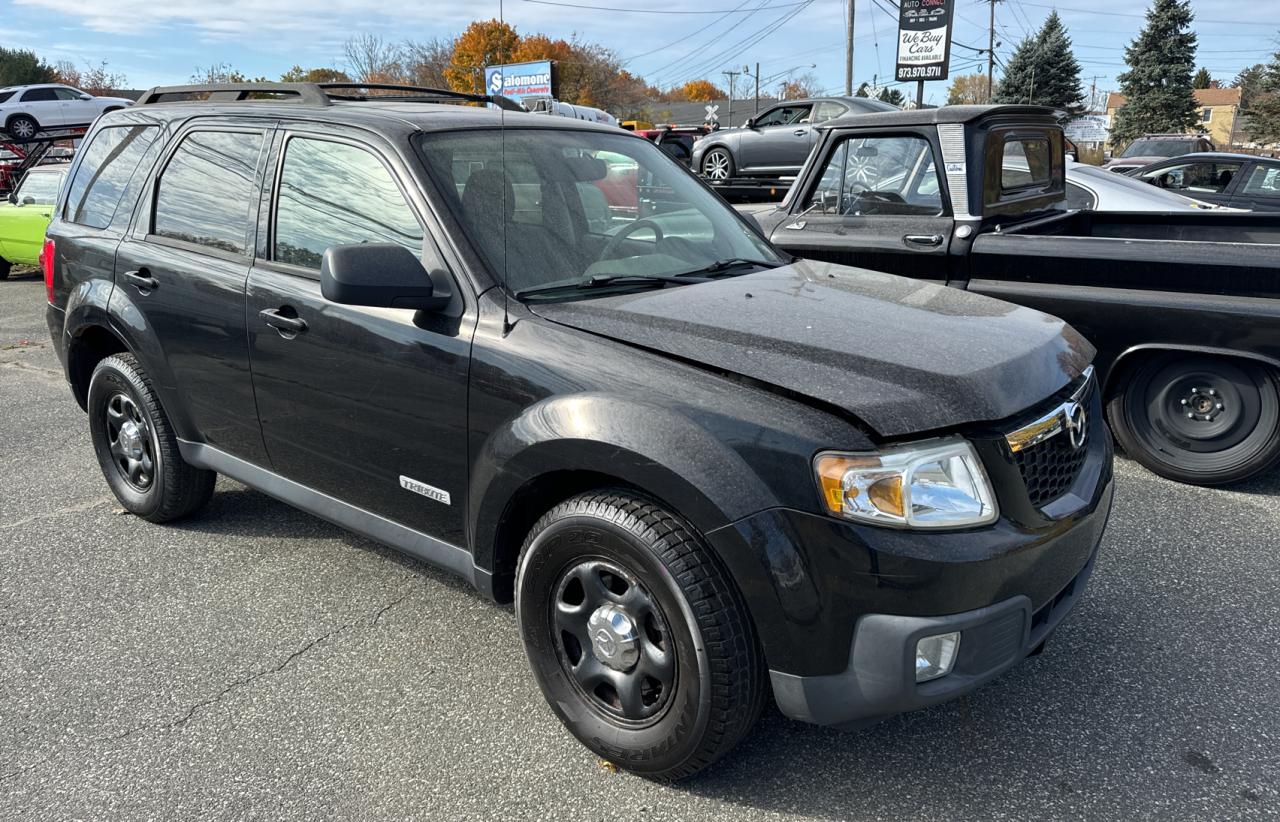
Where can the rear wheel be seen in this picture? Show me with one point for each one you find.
(5, 268)
(136, 446)
(718, 164)
(22, 127)
(1199, 419)
(637, 636)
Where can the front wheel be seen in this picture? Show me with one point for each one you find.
(637, 636)
(1199, 419)
(136, 445)
(717, 165)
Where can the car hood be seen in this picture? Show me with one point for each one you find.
(902, 355)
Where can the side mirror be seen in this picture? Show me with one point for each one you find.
(28, 200)
(750, 123)
(12, 198)
(86, 96)
(381, 275)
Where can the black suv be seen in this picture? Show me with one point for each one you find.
(539, 353)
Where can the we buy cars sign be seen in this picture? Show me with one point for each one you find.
(924, 39)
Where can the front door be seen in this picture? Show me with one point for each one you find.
(1260, 191)
(183, 268)
(778, 140)
(876, 203)
(368, 405)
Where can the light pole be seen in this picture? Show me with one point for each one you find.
(746, 71)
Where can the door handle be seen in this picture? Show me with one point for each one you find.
(800, 132)
(142, 280)
(923, 239)
(285, 325)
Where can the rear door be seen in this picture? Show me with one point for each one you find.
(779, 140)
(1259, 188)
(44, 106)
(876, 202)
(181, 274)
(363, 404)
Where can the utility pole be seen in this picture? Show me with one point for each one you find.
(848, 53)
(991, 49)
(732, 75)
(757, 88)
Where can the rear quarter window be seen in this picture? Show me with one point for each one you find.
(105, 170)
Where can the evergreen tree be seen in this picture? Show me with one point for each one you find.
(1202, 79)
(1250, 82)
(1263, 123)
(20, 68)
(1043, 71)
(1157, 86)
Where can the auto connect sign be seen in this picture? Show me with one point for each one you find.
(924, 39)
(520, 80)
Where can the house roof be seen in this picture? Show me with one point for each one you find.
(1204, 97)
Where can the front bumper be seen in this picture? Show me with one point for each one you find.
(880, 680)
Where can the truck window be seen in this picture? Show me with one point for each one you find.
(1264, 181)
(206, 190)
(105, 169)
(879, 175)
(1026, 163)
(40, 187)
(1203, 178)
(337, 194)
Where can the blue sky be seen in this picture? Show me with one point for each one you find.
(162, 43)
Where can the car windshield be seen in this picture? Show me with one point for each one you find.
(1158, 148)
(42, 187)
(558, 210)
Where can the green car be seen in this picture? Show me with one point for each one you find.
(25, 217)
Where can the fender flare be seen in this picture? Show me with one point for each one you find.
(1122, 360)
(688, 469)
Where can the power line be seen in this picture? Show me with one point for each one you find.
(722, 58)
(654, 11)
(1121, 13)
(692, 57)
(687, 36)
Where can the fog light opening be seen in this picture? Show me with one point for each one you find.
(935, 655)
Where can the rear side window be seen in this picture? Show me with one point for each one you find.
(1265, 180)
(206, 191)
(106, 168)
(39, 95)
(5, 95)
(337, 194)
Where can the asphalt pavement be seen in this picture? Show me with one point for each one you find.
(256, 662)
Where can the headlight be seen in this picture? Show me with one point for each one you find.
(933, 484)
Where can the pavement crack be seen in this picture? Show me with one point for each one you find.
(70, 509)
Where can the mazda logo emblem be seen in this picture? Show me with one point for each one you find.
(1076, 424)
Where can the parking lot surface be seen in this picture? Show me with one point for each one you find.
(256, 662)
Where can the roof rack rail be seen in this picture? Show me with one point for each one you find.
(313, 94)
(418, 92)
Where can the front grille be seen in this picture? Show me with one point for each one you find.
(1050, 468)
(1043, 450)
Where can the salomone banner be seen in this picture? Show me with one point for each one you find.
(924, 39)
(520, 80)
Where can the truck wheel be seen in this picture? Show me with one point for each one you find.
(22, 127)
(136, 446)
(718, 164)
(1199, 419)
(637, 636)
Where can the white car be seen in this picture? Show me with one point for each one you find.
(25, 111)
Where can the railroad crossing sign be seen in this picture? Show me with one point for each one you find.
(712, 117)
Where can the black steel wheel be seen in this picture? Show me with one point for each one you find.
(637, 635)
(21, 127)
(1199, 419)
(718, 165)
(136, 446)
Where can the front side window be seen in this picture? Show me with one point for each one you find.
(41, 187)
(39, 95)
(553, 209)
(879, 175)
(206, 192)
(337, 194)
(784, 116)
(1203, 178)
(67, 94)
(105, 169)
(1264, 181)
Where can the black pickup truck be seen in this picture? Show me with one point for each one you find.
(1181, 307)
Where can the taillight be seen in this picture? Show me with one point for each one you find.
(46, 263)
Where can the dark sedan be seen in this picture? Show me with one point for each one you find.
(1236, 180)
(776, 142)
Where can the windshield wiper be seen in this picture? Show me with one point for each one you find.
(724, 266)
(599, 280)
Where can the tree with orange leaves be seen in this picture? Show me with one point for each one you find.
(484, 43)
(701, 91)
